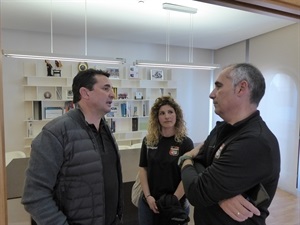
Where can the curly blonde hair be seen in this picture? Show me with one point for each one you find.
(154, 127)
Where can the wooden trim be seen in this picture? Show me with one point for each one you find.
(288, 9)
(3, 187)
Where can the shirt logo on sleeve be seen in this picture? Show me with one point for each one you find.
(218, 153)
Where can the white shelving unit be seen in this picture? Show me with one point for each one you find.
(46, 97)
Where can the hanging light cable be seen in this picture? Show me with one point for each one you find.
(51, 28)
(85, 29)
(168, 37)
(63, 57)
(191, 40)
(178, 65)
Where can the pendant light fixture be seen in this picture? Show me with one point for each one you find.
(177, 65)
(63, 57)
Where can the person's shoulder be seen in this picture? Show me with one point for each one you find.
(59, 122)
(187, 140)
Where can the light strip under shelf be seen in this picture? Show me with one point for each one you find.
(143, 63)
(179, 8)
(39, 56)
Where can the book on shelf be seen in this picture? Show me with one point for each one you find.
(115, 90)
(124, 109)
(135, 123)
(113, 126)
(37, 110)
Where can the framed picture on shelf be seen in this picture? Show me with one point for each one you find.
(69, 94)
(133, 72)
(156, 74)
(114, 73)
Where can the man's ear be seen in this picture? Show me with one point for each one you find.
(242, 87)
(84, 93)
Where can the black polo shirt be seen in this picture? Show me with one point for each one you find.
(110, 172)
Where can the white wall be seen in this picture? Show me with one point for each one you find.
(277, 55)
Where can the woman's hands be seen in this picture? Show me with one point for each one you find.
(152, 204)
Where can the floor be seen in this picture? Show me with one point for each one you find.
(284, 210)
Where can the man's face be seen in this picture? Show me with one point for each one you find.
(100, 98)
(224, 95)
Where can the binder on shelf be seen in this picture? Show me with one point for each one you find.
(37, 110)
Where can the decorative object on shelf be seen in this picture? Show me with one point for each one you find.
(135, 111)
(29, 129)
(122, 96)
(69, 94)
(138, 95)
(49, 68)
(114, 73)
(144, 109)
(133, 72)
(162, 91)
(156, 74)
(57, 70)
(47, 95)
(123, 109)
(69, 105)
(58, 93)
(82, 66)
(113, 111)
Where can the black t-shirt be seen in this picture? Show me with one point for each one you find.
(163, 172)
(110, 172)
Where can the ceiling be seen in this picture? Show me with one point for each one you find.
(212, 27)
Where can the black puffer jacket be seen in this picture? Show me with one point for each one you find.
(73, 172)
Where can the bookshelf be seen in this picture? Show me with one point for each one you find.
(46, 97)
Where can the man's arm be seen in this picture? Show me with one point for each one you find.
(41, 175)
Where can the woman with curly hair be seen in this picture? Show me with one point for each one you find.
(165, 142)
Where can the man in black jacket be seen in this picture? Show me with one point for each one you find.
(239, 159)
(74, 174)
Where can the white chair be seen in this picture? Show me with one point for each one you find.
(9, 156)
